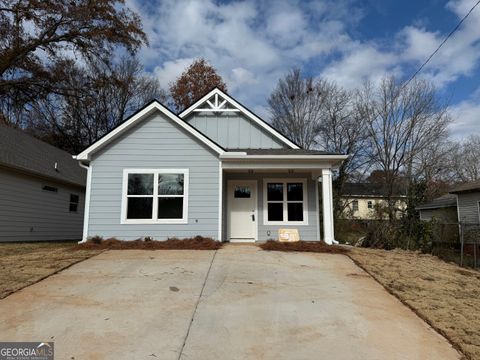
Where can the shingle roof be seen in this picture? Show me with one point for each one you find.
(443, 201)
(470, 186)
(282, 152)
(24, 152)
(371, 189)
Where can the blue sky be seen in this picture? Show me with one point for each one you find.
(252, 44)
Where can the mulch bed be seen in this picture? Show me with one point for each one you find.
(305, 246)
(195, 243)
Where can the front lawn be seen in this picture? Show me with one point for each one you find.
(22, 264)
(443, 294)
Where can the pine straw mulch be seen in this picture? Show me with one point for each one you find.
(195, 243)
(445, 295)
(304, 246)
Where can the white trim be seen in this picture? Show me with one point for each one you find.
(317, 213)
(154, 220)
(327, 200)
(85, 154)
(245, 181)
(86, 209)
(283, 165)
(285, 221)
(220, 200)
(240, 156)
(245, 111)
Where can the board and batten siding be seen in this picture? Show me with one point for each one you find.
(468, 210)
(233, 131)
(155, 143)
(29, 213)
(266, 232)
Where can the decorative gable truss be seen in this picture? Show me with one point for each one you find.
(217, 101)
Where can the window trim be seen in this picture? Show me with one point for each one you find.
(72, 202)
(370, 204)
(355, 206)
(154, 220)
(285, 221)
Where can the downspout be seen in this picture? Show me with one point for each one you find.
(86, 209)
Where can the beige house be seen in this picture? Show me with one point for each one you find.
(364, 201)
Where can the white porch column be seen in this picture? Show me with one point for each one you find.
(327, 200)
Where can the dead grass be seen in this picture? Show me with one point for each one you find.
(305, 246)
(22, 264)
(443, 294)
(195, 243)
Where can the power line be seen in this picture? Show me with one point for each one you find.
(442, 43)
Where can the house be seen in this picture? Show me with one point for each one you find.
(442, 209)
(215, 170)
(42, 190)
(362, 201)
(468, 202)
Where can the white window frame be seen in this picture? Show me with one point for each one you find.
(154, 220)
(285, 202)
(357, 207)
(369, 204)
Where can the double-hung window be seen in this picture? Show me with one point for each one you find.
(285, 202)
(155, 196)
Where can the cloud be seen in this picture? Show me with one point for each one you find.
(466, 115)
(252, 44)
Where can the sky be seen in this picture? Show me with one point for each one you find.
(254, 43)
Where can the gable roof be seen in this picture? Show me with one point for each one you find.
(443, 201)
(372, 189)
(138, 117)
(466, 187)
(236, 105)
(23, 152)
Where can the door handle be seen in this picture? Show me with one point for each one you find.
(253, 217)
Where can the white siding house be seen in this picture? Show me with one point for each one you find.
(215, 170)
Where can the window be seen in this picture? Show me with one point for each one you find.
(50, 188)
(74, 200)
(370, 204)
(285, 202)
(242, 192)
(355, 205)
(155, 196)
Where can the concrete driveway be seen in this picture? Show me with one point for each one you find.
(237, 303)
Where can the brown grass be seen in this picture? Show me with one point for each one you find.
(22, 264)
(443, 294)
(195, 243)
(305, 246)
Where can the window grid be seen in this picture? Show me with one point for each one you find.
(285, 202)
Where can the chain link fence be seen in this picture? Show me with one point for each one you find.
(457, 242)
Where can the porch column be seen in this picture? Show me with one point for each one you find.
(327, 200)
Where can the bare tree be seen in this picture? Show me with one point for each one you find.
(296, 107)
(99, 98)
(465, 159)
(402, 121)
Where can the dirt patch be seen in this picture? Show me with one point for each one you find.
(23, 264)
(304, 246)
(196, 243)
(444, 295)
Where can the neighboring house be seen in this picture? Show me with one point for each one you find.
(215, 170)
(41, 190)
(468, 202)
(442, 209)
(363, 200)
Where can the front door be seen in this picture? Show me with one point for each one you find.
(242, 210)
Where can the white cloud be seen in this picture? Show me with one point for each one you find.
(252, 44)
(466, 117)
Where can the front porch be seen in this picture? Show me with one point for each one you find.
(259, 196)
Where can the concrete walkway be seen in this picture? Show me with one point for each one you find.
(253, 304)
